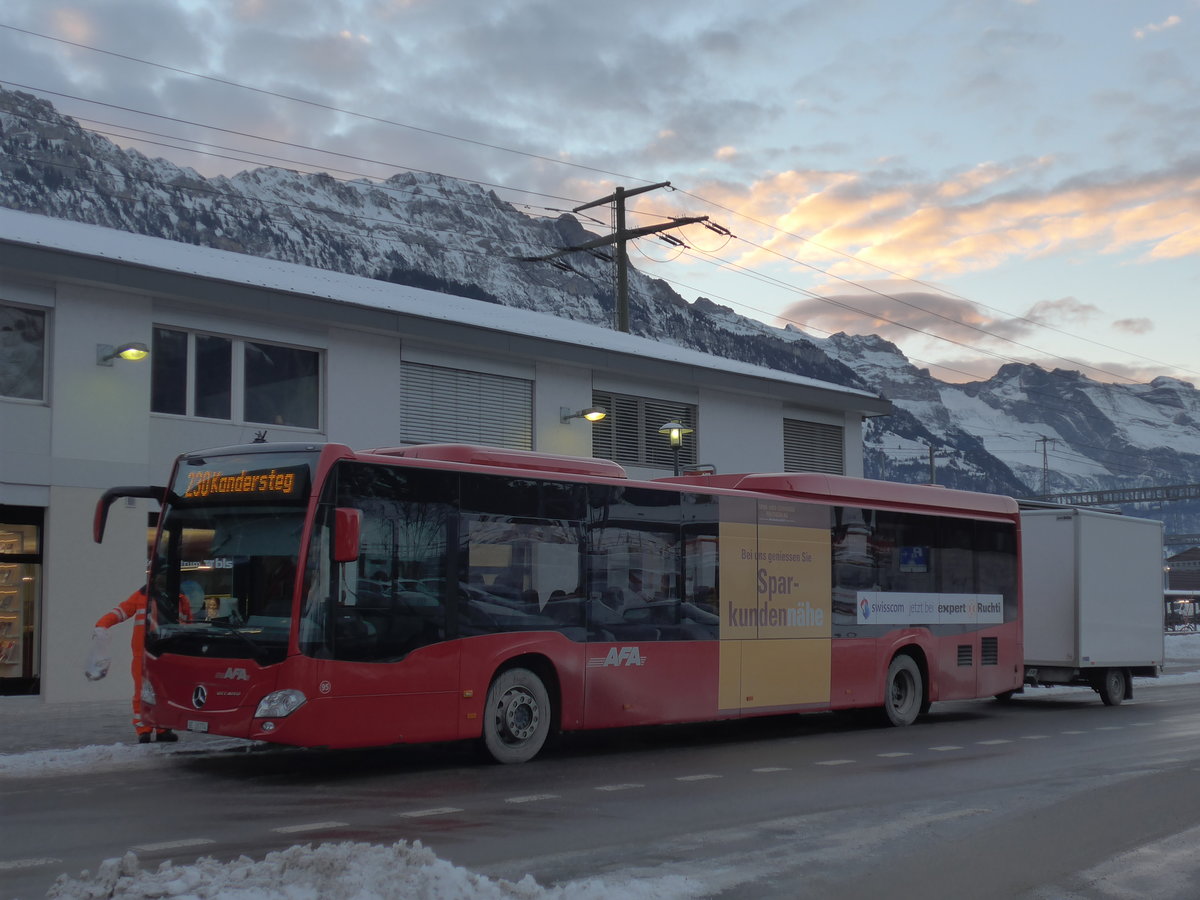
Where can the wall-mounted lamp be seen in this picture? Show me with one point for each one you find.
(592, 414)
(134, 350)
(675, 432)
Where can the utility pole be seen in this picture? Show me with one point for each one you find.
(617, 198)
(621, 235)
(1045, 442)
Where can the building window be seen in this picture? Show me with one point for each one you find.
(813, 447)
(214, 377)
(22, 353)
(629, 433)
(439, 404)
(282, 385)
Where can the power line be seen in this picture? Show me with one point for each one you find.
(264, 139)
(558, 161)
(865, 313)
(984, 331)
(854, 309)
(317, 105)
(219, 196)
(917, 281)
(1032, 392)
(792, 259)
(893, 297)
(763, 248)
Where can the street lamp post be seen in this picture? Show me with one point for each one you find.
(675, 432)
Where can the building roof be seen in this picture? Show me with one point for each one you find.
(58, 248)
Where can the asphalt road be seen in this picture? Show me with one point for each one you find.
(1051, 796)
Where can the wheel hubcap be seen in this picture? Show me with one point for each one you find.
(519, 713)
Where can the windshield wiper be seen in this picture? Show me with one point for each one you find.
(258, 653)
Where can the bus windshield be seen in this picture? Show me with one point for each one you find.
(224, 568)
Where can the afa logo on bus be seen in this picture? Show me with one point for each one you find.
(618, 656)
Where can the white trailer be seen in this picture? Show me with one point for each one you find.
(1092, 587)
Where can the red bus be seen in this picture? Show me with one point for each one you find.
(448, 592)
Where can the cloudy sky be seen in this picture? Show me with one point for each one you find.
(979, 181)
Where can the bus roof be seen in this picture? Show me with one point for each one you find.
(868, 492)
(832, 489)
(500, 458)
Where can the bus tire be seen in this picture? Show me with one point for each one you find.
(903, 691)
(1112, 686)
(516, 716)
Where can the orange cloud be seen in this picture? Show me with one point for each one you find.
(74, 25)
(969, 222)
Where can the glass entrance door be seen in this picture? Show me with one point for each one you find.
(20, 599)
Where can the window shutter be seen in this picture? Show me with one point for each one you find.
(629, 433)
(813, 447)
(451, 405)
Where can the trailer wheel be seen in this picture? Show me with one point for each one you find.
(516, 716)
(1112, 686)
(903, 691)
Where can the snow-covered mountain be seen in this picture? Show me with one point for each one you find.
(1020, 430)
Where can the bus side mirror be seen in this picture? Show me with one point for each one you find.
(347, 531)
(100, 517)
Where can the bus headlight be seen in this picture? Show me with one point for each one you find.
(278, 704)
(148, 698)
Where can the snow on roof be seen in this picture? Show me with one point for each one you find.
(239, 268)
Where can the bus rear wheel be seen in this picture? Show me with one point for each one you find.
(516, 718)
(903, 691)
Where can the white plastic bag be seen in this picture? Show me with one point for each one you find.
(99, 655)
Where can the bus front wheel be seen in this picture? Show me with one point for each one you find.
(516, 717)
(903, 691)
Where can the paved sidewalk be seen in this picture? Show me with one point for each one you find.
(27, 723)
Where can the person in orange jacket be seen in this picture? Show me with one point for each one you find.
(132, 607)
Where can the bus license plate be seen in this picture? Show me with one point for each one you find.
(193, 725)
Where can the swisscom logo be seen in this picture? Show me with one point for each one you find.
(864, 609)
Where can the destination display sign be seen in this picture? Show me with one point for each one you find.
(230, 479)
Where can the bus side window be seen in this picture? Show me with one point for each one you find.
(393, 595)
(634, 563)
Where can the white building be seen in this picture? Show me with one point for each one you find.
(241, 346)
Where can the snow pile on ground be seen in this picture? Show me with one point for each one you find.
(344, 871)
(55, 762)
(1182, 647)
(101, 756)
